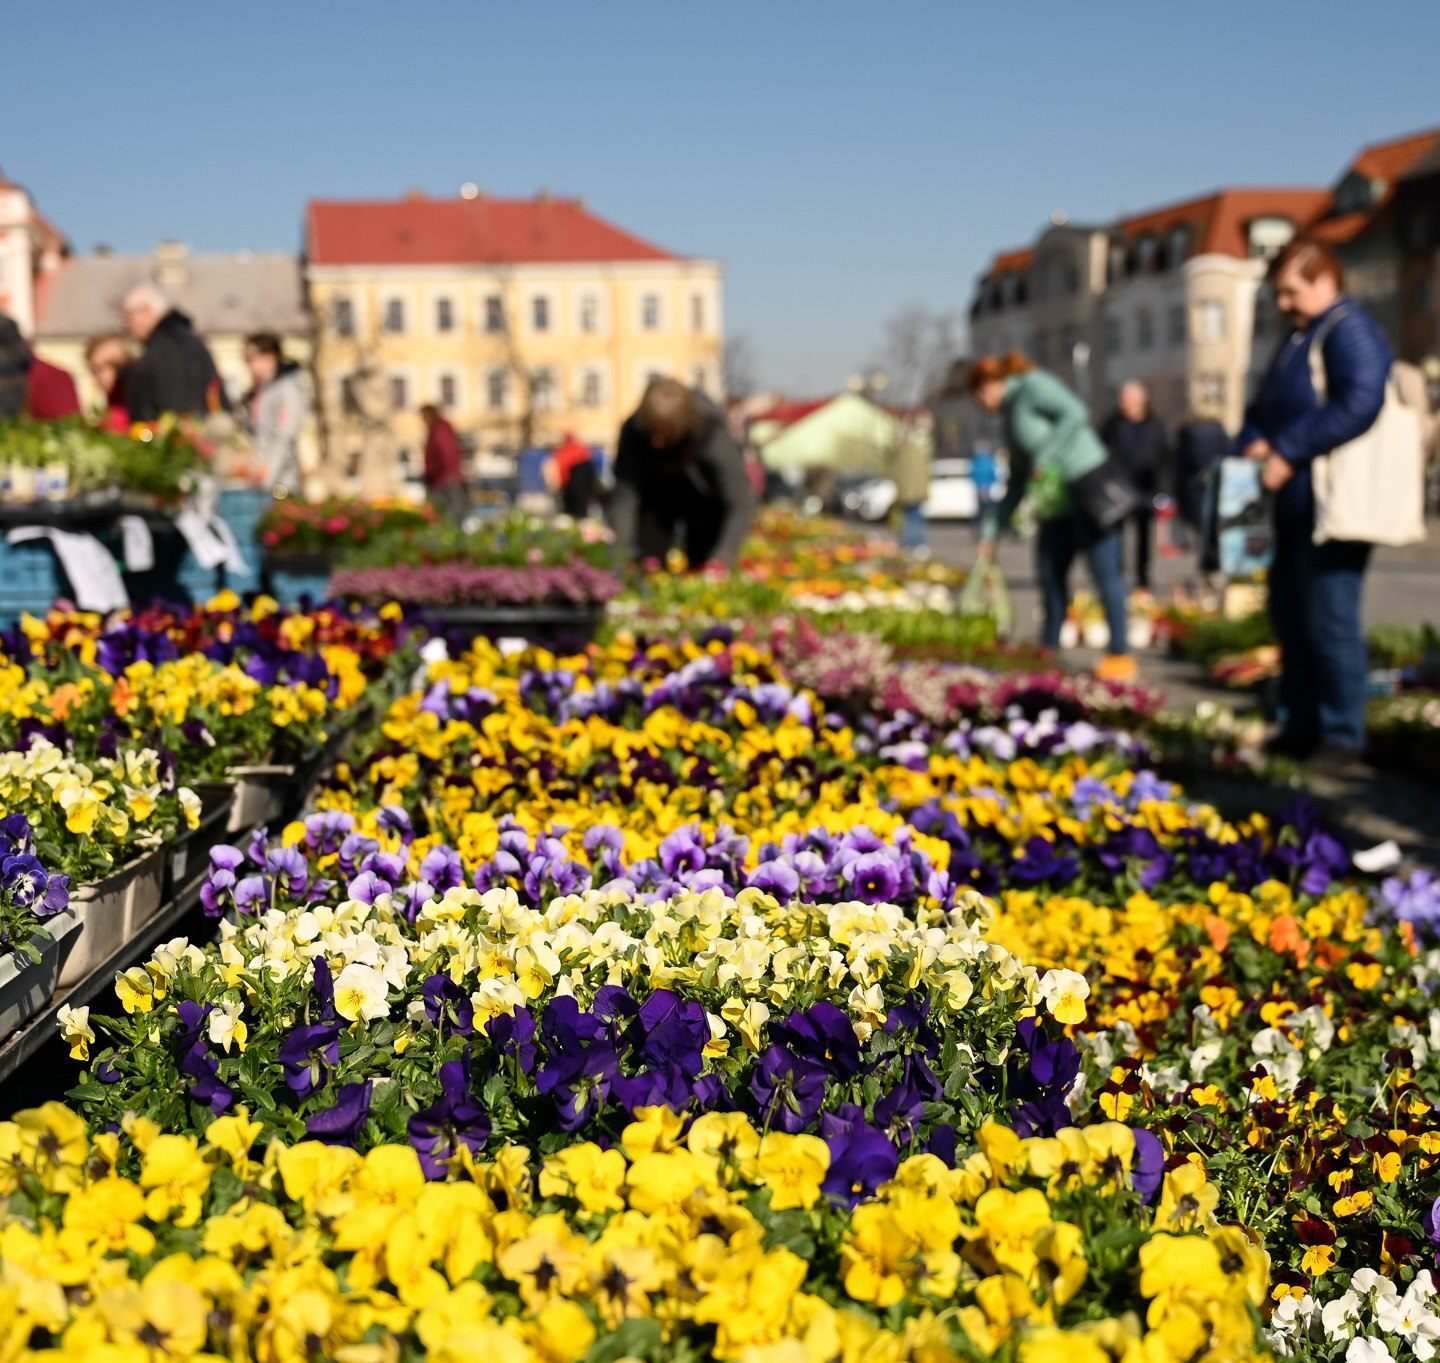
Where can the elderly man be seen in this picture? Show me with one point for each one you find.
(1139, 442)
(176, 373)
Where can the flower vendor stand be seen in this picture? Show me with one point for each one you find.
(554, 626)
(293, 578)
(26, 986)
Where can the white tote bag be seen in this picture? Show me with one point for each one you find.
(1373, 488)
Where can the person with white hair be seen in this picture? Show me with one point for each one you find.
(176, 373)
(1140, 444)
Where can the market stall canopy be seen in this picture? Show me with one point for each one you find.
(849, 434)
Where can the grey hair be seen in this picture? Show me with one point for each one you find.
(147, 295)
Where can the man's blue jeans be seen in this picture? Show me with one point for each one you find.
(1315, 594)
(912, 526)
(1059, 541)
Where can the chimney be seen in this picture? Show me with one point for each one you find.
(544, 197)
(415, 196)
(172, 266)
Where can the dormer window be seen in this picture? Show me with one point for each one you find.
(1180, 239)
(1146, 251)
(1267, 236)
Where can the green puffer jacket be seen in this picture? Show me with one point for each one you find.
(1051, 444)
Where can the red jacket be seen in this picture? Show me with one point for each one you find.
(444, 462)
(51, 393)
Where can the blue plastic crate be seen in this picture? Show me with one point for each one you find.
(289, 588)
(241, 509)
(31, 579)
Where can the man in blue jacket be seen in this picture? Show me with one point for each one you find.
(1315, 589)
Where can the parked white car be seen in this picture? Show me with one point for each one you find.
(952, 492)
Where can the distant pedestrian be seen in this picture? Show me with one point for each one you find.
(110, 358)
(985, 474)
(1200, 444)
(910, 469)
(572, 476)
(276, 409)
(30, 386)
(1315, 589)
(177, 372)
(1139, 442)
(1079, 495)
(680, 478)
(444, 466)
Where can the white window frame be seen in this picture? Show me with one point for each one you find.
(699, 302)
(641, 299)
(407, 375)
(343, 296)
(457, 375)
(600, 372)
(552, 313)
(406, 312)
(602, 320)
(507, 392)
(555, 389)
(1205, 310)
(483, 318)
(457, 314)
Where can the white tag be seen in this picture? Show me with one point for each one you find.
(87, 563)
(1382, 857)
(138, 544)
(208, 548)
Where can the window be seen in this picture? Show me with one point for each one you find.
(1175, 324)
(1040, 344)
(1210, 391)
(1267, 236)
(1114, 337)
(494, 314)
(1115, 263)
(1144, 329)
(1210, 320)
(700, 378)
(395, 316)
(1179, 245)
(449, 390)
(589, 313)
(591, 389)
(543, 389)
(497, 389)
(1145, 254)
(399, 393)
(1069, 338)
(650, 312)
(697, 312)
(444, 314)
(540, 313)
(342, 316)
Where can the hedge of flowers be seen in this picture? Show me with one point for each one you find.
(336, 525)
(646, 1003)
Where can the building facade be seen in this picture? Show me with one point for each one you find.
(1376, 213)
(32, 252)
(1166, 297)
(521, 319)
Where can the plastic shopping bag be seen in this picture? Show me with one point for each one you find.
(985, 593)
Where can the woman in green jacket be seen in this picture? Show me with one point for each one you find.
(1052, 448)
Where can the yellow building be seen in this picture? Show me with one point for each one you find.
(522, 319)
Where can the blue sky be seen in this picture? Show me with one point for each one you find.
(843, 159)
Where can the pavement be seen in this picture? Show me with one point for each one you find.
(1402, 587)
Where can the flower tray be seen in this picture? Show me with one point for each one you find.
(260, 793)
(104, 910)
(143, 896)
(26, 987)
(189, 853)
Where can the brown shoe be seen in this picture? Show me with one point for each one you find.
(1117, 667)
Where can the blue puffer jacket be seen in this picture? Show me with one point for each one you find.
(1289, 414)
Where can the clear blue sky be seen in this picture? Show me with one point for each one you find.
(844, 159)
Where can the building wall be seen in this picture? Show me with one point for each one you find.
(660, 317)
(1220, 294)
(17, 258)
(1136, 340)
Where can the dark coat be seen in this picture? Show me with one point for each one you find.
(175, 374)
(1142, 449)
(700, 480)
(1200, 445)
(1287, 411)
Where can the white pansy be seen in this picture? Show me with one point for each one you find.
(361, 993)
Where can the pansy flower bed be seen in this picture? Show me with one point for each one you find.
(648, 1003)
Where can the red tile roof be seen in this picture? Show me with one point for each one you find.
(420, 231)
(1390, 160)
(1218, 221)
(1010, 261)
(788, 413)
